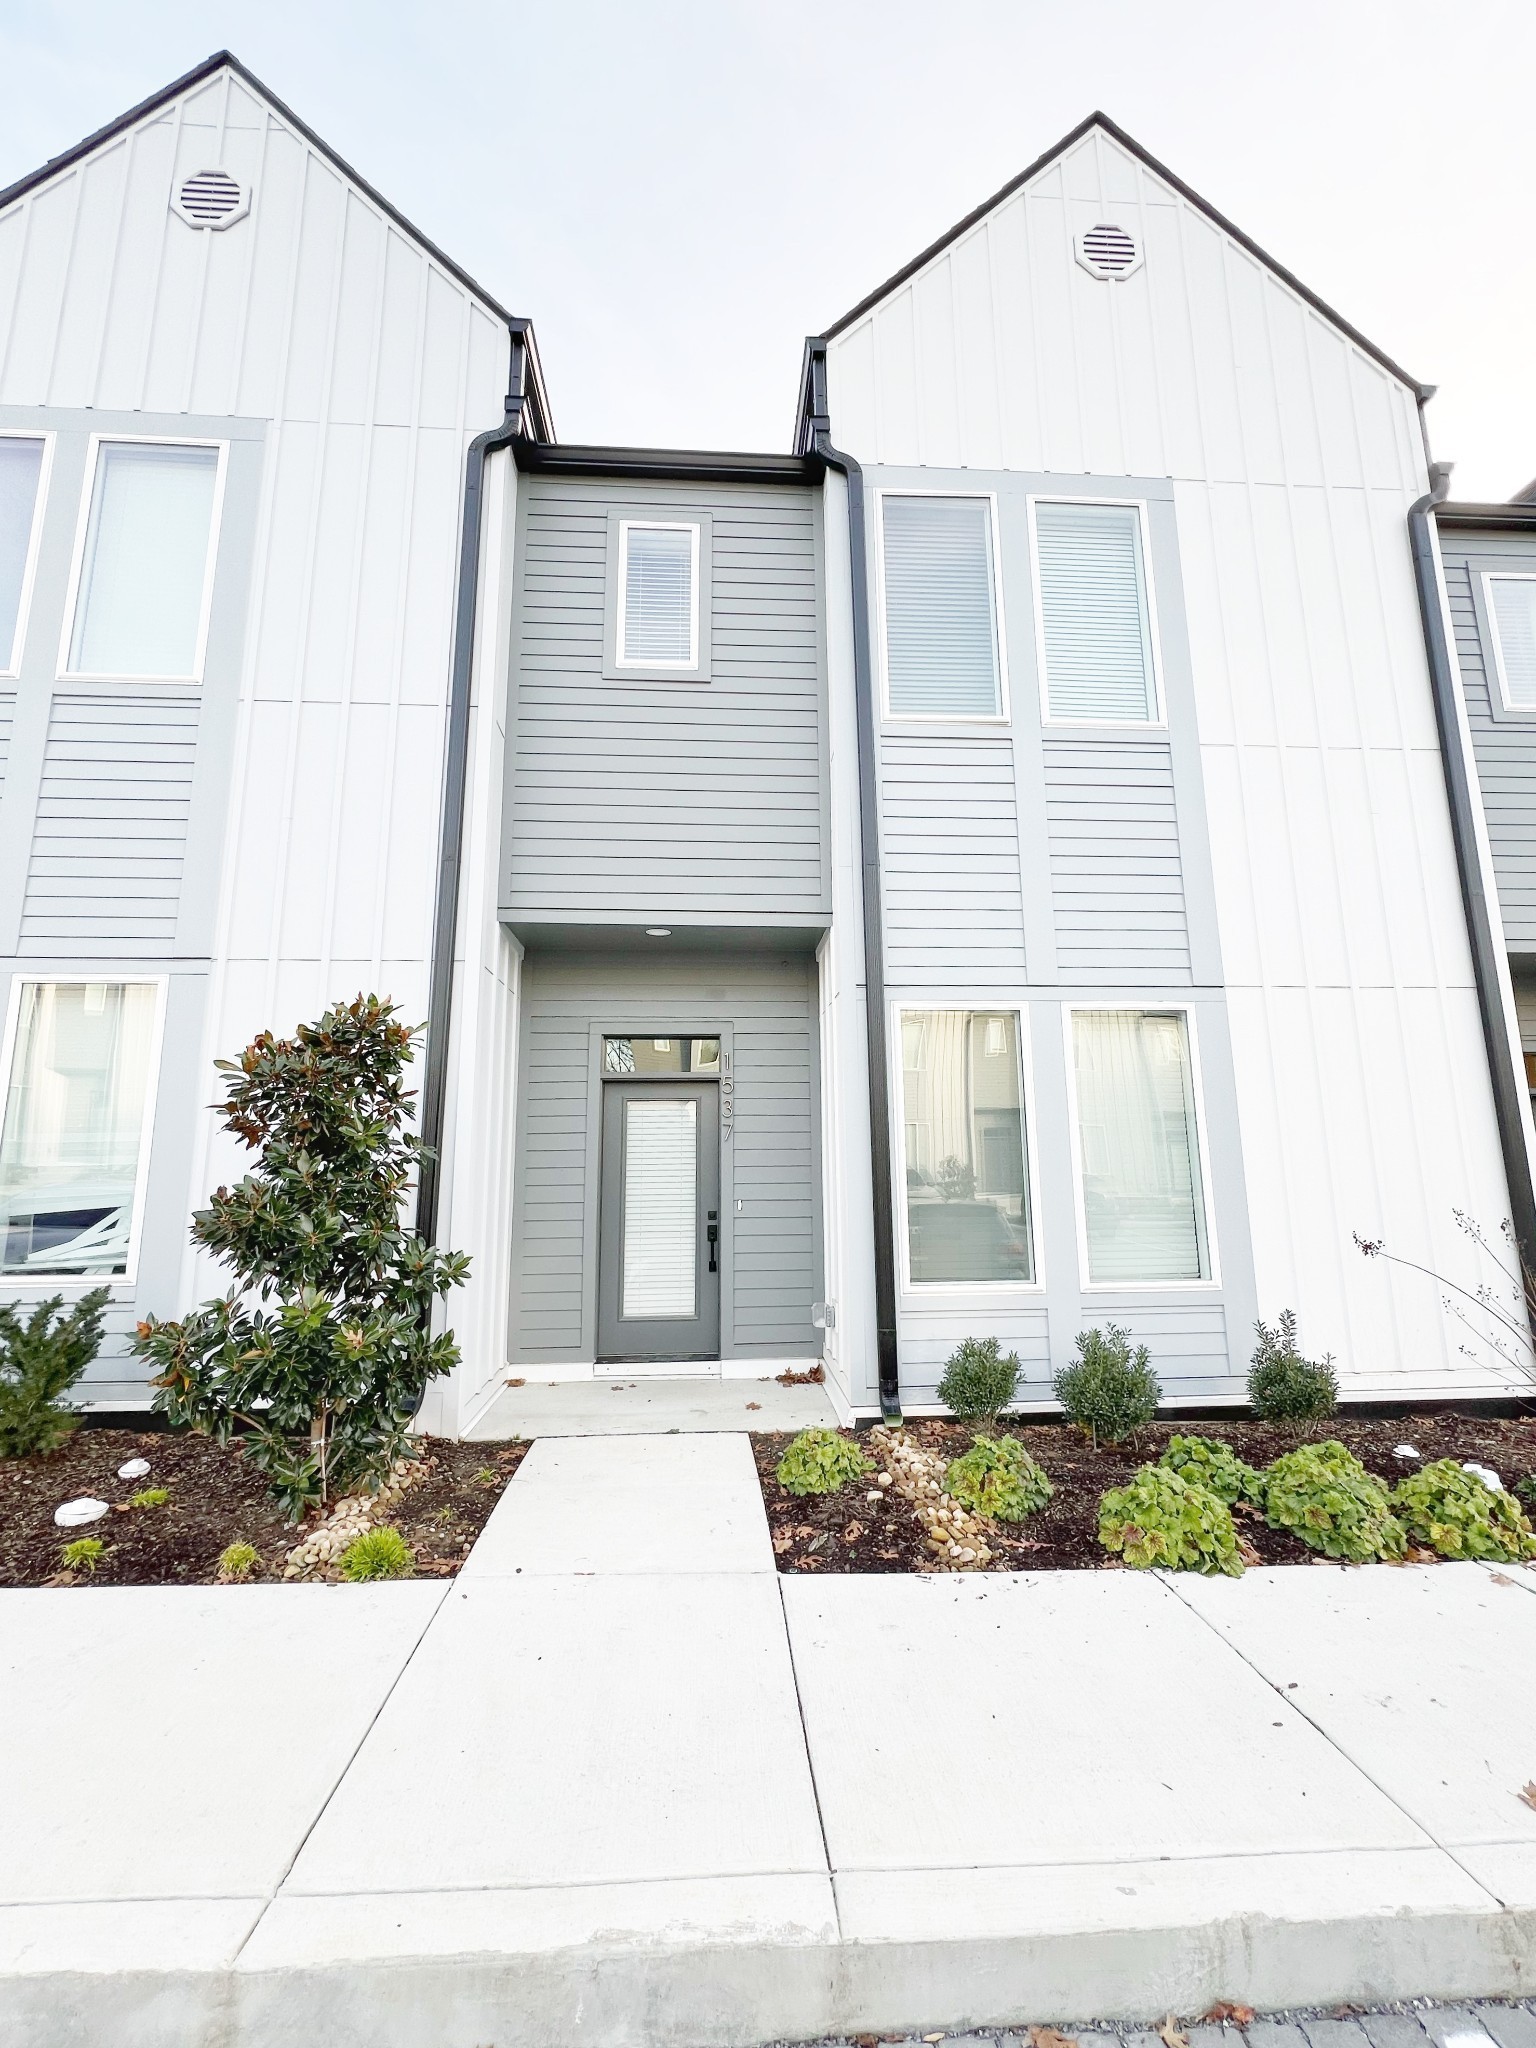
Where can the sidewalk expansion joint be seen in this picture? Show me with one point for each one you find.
(810, 1761)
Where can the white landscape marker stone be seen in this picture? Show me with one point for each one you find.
(74, 1513)
(1406, 1451)
(134, 1469)
(1486, 1473)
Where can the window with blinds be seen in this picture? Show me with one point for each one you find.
(1096, 635)
(941, 641)
(658, 595)
(1512, 608)
(1138, 1145)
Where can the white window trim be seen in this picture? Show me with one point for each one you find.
(1159, 721)
(77, 564)
(1154, 1006)
(82, 1283)
(670, 663)
(1003, 715)
(11, 672)
(950, 1290)
(1490, 577)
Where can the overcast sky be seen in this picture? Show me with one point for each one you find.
(679, 191)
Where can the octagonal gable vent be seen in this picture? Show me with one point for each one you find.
(211, 199)
(1108, 251)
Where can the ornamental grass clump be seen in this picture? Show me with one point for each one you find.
(980, 1381)
(821, 1461)
(238, 1560)
(83, 1555)
(1452, 1511)
(42, 1355)
(1324, 1495)
(997, 1478)
(381, 1553)
(1112, 1390)
(319, 1354)
(1161, 1519)
(1215, 1466)
(1282, 1385)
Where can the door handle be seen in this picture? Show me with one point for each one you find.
(712, 1234)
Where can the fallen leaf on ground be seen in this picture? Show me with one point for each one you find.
(1170, 2033)
(517, 1383)
(754, 1404)
(1500, 1579)
(1528, 1794)
(782, 1543)
(853, 1532)
(813, 1378)
(1051, 2037)
(1224, 2011)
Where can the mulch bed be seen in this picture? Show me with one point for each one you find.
(216, 1499)
(853, 1532)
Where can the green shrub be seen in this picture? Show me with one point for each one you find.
(1452, 1511)
(238, 1560)
(83, 1555)
(1215, 1466)
(1282, 1385)
(980, 1381)
(999, 1479)
(1526, 1488)
(381, 1553)
(1324, 1495)
(1162, 1519)
(42, 1355)
(149, 1497)
(1112, 1390)
(821, 1461)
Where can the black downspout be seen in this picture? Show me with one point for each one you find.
(1488, 967)
(434, 1091)
(819, 426)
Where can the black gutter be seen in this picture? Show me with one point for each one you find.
(1488, 965)
(666, 465)
(1518, 515)
(521, 414)
(816, 439)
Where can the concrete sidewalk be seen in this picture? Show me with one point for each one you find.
(620, 1784)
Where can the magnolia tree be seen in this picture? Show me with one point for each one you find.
(319, 1354)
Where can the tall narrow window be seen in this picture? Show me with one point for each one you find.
(1143, 1200)
(139, 611)
(941, 643)
(658, 595)
(661, 1207)
(1512, 607)
(963, 1118)
(73, 1126)
(1095, 630)
(21, 469)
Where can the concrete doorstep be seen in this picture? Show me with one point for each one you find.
(621, 1784)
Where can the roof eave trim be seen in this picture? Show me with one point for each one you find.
(1515, 515)
(676, 465)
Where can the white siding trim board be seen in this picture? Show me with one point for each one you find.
(10, 669)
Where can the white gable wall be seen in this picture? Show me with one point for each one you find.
(372, 367)
(1362, 1080)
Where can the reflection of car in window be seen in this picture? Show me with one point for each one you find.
(55, 1238)
(963, 1240)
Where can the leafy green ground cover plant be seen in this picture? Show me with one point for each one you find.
(1161, 1518)
(149, 1497)
(980, 1381)
(1324, 1495)
(381, 1553)
(320, 1353)
(821, 1461)
(998, 1478)
(1112, 1390)
(1215, 1466)
(83, 1555)
(238, 1560)
(1454, 1512)
(42, 1355)
(1282, 1385)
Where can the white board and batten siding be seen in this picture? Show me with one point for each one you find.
(1292, 456)
(320, 334)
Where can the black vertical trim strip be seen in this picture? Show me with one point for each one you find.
(818, 433)
(1488, 963)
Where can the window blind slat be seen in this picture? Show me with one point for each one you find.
(661, 1169)
(1514, 610)
(658, 595)
(1098, 642)
(940, 628)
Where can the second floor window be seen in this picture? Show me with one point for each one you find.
(141, 604)
(1512, 610)
(941, 638)
(21, 469)
(1095, 628)
(658, 595)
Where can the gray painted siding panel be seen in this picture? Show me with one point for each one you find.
(667, 797)
(108, 844)
(773, 1168)
(1117, 883)
(1504, 747)
(954, 911)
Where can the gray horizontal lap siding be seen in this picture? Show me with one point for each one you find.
(1504, 746)
(655, 797)
(954, 908)
(1117, 880)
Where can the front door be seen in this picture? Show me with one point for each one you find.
(658, 1280)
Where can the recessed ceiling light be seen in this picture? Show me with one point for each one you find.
(658, 931)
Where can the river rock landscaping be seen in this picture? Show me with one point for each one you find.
(899, 1518)
(214, 1498)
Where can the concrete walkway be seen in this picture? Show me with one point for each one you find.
(615, 1406)
(619, 1784)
